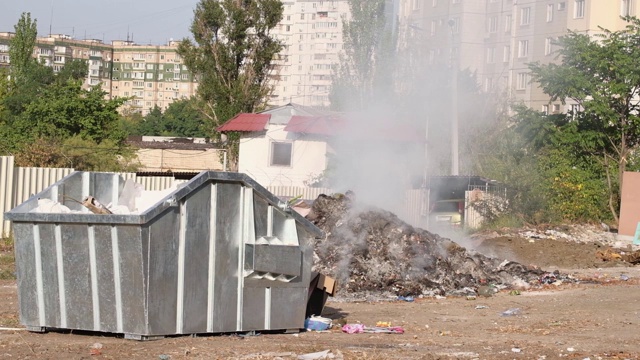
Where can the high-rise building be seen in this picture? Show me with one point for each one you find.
(311, 32)
(149, 75)
(496, 39)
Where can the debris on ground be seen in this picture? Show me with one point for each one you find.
(372, 250)
(360, 328)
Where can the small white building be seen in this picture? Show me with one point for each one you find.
(283, 146)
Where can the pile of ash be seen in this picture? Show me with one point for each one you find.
(373, 251)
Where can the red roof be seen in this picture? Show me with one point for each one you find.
(246, 122)
(320, 125)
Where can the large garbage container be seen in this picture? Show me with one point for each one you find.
(220, 254)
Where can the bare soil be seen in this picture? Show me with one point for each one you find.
(596, 318)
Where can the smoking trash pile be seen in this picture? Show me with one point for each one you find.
(370, 250)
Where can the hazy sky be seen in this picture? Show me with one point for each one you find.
(148, 21)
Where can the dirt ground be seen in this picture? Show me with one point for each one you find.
(596, 318)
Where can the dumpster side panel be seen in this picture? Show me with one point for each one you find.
(288, 317)
(107, 314)
(26, 273)
(253, 308)
(196, 238)
(163, 272)
(133, 285)
(226, 277)
(77, 276)
(50, 280)
(72, 188)
(260, 211)
(306, 241)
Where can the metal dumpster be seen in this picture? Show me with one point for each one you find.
(220, 254)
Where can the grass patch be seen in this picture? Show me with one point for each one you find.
(503, 221)
(7, 260)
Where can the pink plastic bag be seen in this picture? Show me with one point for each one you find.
(353, 328)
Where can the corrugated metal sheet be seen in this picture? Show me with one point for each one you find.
(6, 192)
(414, 210)
(30, 181)
(157, 182)
(246, 122)
(321, 125)
(306, 193)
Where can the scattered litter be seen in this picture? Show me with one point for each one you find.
(317, 323)
(95, 206)
(406, 298)
(516, 350)
(570, 349)
(478, 307)
(316, 355)
(514, 292)
(96, 349)
(353, 328)
(360, 328)
(471, 297)
(383, 324)
(440, 297)
(548, 278)
(444, 333)
(624, 277)
(11, 329)
(164, 357)
(511, 312)
(487, 291)
(374, 251)
(249, 334)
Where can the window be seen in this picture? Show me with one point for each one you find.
(522, 80)
(545, 109)
(434, 26)
(434, 3)
(561, 6)
(547, 45)
(415, 4)
(493, 24)
(579, 9)
(455, 25)
(488, 84)
(507, 23)
(491, 55)
(556, 108)
(523, 48)
(525, 16)
(625, 8)
(549, 12)
(506, 53)
(280, 154)
(301, 16)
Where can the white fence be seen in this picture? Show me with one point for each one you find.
(17, 184)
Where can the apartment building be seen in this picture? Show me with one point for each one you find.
(496, 39)
(311, 32)
(149, 75)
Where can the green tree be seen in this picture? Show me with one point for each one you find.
(21, 47)
(182, 118)
(231, 56)
(600, 74)
(66, 110)
(365, 68)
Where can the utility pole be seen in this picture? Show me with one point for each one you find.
(454, 104)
